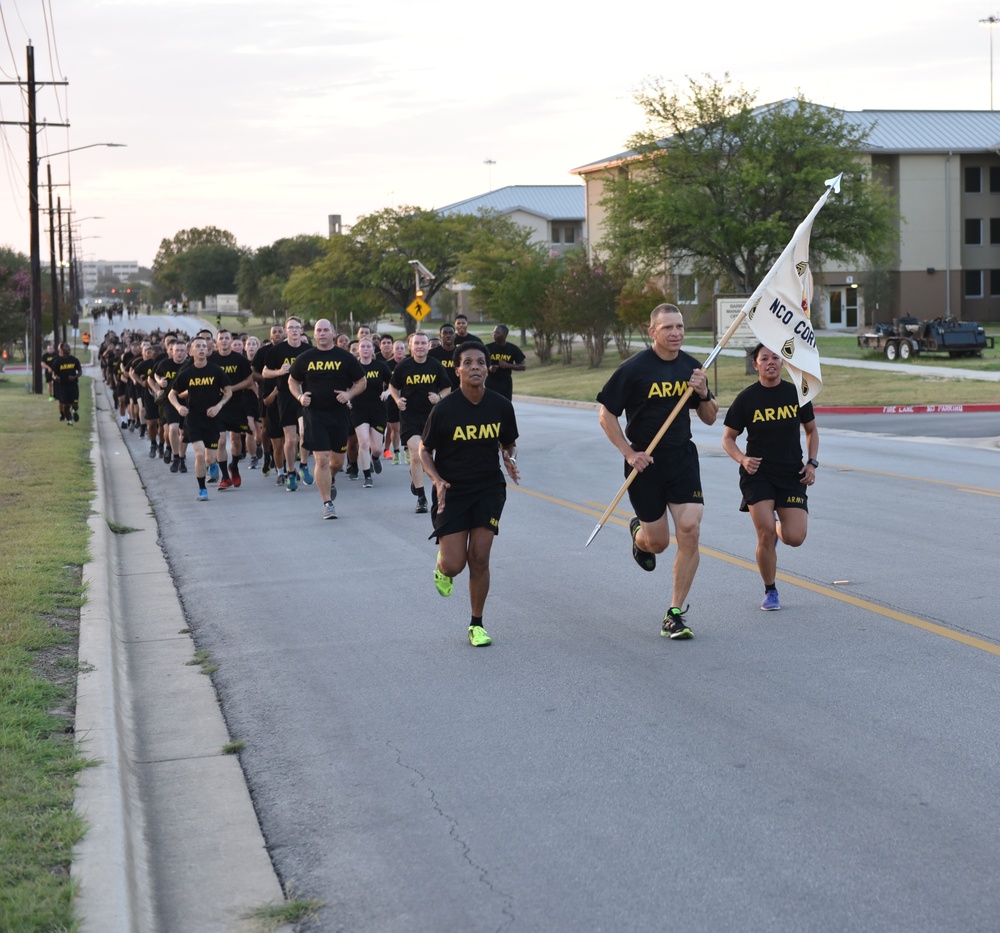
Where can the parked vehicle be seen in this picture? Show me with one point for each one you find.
(906, 337)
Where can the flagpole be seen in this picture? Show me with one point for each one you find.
(832, 186)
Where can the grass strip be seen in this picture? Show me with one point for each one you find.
(841, 385)
(46, 487)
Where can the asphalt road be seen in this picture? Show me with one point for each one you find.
(832, 766)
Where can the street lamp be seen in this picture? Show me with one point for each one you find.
(36, 268)
(991, 21)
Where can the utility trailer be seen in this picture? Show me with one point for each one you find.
(906, 337)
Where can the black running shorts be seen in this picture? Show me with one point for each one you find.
(674, 478)
(480, 508)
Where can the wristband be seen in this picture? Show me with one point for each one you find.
(812, 462)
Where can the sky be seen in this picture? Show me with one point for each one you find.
(263, 118)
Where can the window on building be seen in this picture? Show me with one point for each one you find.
(973, 231)
(556, 232)
(687, 290)
(995, 231)
(995, 179)
(994, 283)
(973, 179)
(973, 283)
(569, 234)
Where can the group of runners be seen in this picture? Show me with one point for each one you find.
(350, 404)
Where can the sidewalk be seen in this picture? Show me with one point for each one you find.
(173, 842)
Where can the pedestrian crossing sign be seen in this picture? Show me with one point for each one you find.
(418, 309)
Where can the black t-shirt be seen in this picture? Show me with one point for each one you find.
(377, 374)
(277, 355)
(66, 369)
(204, 386)
(771, 416)
(447, 359)
(502, 380)
(235, 365)
(324, 373)
(48, 358)
(167, 369)
(415, 381)
(465, 439)
(647, 388)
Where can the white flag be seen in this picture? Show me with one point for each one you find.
(780, 319)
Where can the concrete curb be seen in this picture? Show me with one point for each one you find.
(173, 842)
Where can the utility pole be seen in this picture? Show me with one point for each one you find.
(36, 265)
(52, 255)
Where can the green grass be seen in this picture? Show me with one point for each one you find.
(46, 483)
(841, 386)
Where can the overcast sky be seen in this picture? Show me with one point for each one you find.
(265, 117)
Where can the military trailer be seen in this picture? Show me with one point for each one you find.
(907, 337)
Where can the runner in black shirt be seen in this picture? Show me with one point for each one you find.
(277, 362)
(647, 387)
(323, 380)
(66, 373)
(199, 393)
(368, 411)
(772, 475)
(504, 358)
(417, 385)
(460, 451)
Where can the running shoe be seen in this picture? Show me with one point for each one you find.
(184, 466)
(367, 484)
(395, 457)
(333, 491)
(329, 511)
(421, 504)
(253, 463)
(152, 451)
(443, 583)
(771, 601)
(674, 625)
(76, 415)
(175, 465)
(406, 454)
(478, 637)
(227, 483)
(643, 558)
(203, 495)
(142, 430)
(234, 472)
(213, 473)
(52, 398)
(265, 470)
(69, 422)
(387, 453)
(352, 471)
(377, 464)
(291, 482)
(305, 474)
(168, 455)
(282, 479)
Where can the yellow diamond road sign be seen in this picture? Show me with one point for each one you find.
(418, 309)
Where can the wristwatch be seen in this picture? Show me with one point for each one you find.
(813, 462)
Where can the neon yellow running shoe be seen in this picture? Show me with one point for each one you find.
(443, 583)
(478, 637)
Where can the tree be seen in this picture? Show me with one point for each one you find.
(262, 275)
(208, 269)
(15, 295)
(720, 185)
(583, 299)
(381, 246)
(213, 264)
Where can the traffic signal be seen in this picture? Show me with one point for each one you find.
(420, 293)
(113, 291)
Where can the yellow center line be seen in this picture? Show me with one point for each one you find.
(597, 510)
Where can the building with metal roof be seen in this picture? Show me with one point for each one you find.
(944, 170)
(555, 213)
